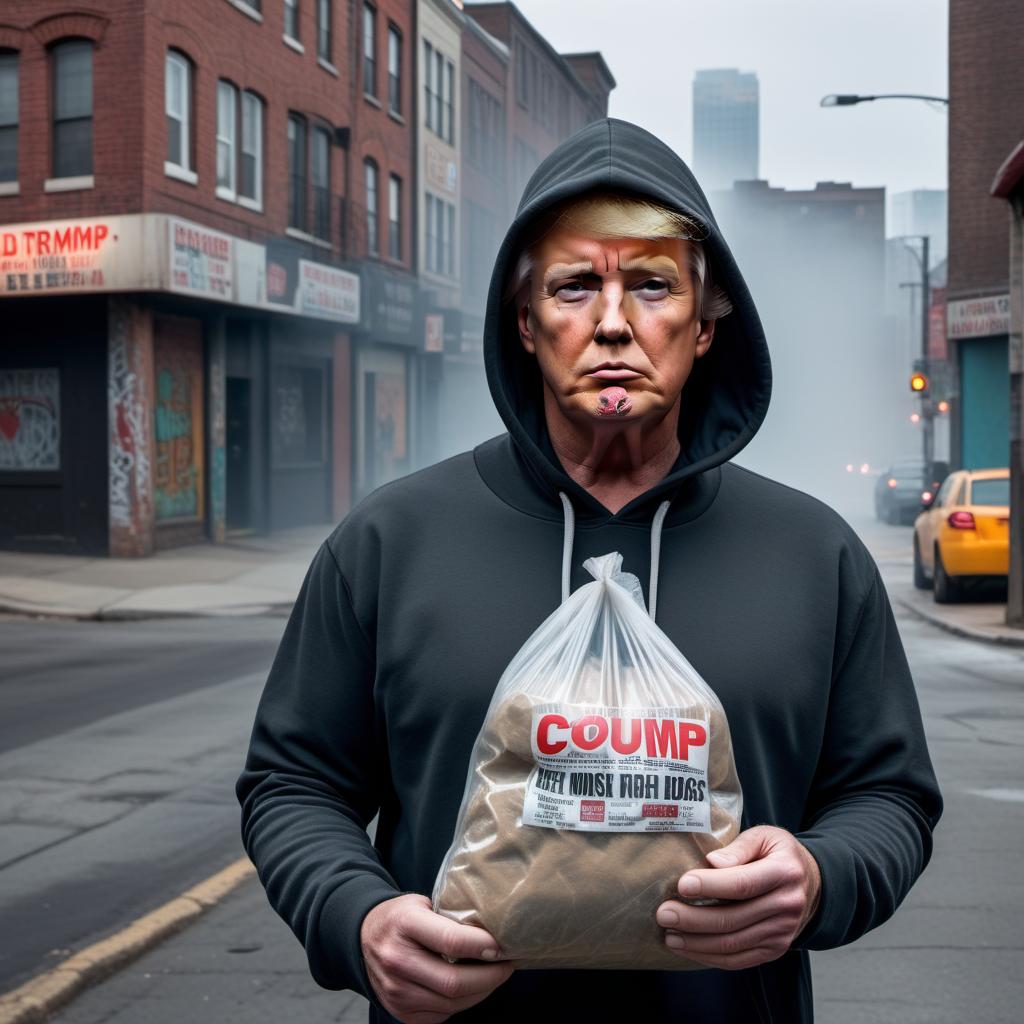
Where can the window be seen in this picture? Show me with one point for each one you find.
(296, 172)
(321, 183)
(369, 50)
(440, 235)
(323, 30)
(227, 106)
(8, 117)
(372, 241)
(72, 109)
(486, 131)
(291, 19)
(522, 95)
(993, 491)
(250, 185)
(299, 422)
(394, 70)
(395, 217)
(178, 106)
(439, 83)
(449, 94)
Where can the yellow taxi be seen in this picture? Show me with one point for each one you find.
(963, 532)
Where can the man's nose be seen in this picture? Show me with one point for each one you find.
(613, 325)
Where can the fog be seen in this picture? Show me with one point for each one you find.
(840, 306)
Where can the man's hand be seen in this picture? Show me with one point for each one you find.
(405, 946)
(773, 884)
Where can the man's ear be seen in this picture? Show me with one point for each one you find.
(705, 335)
(525, 334)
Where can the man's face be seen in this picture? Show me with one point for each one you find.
(631, 301)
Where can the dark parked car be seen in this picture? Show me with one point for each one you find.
(898, 491)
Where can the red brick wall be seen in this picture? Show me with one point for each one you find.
(30, 27)
(986, 84)
(378, 135)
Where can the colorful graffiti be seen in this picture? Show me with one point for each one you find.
(218, 430)
(177, 475)
(129, 468)
(30, 419)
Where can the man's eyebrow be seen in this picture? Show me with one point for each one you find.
(654, 264)
(568, 270)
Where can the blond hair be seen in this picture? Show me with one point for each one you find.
(611, 215)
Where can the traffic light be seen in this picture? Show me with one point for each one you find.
(919, 384)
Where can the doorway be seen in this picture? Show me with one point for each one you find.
(238, 441)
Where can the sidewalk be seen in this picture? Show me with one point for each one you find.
(976, 620)
(250, 575)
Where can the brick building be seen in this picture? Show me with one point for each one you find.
(519, 99)
(986, 86)
(180, 217)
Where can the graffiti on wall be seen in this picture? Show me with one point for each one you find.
(129, 481)
(30, 419)
(218, 431)
(177, 475)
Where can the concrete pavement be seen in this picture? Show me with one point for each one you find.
(252, 575)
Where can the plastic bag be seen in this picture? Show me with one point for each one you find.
(603, 771)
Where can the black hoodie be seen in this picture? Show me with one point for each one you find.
(420, 597)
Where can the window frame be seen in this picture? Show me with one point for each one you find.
(173, 168)
(15, 57)
(394, 77)
(228, 89)
(321, 224)
(394, 217)
(252, 202)
(58, 47)
(301, 125)
(372, 172)
(292, 6)
(369, 39)
(324, 31)
(449, 102)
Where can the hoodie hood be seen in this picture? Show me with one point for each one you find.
(726, 395)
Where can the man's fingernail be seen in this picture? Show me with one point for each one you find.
(668, 918)
(689, 885)
(489, 954)
(675, 941)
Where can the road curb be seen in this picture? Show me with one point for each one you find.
(39, 611)
(964, 631)
(40, 996)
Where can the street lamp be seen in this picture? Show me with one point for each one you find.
(849, 99)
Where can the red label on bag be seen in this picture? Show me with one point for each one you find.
(591, 810)
(660, 811)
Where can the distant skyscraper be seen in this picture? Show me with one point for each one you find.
(921, 212)
(725, 127)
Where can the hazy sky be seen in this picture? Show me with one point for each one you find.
(800, 50)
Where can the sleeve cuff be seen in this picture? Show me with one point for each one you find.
(825, 923)
(336, 958)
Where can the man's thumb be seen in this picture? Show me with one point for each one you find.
(747, 846)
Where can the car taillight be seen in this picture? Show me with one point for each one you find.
(891, 481)
(961, 520)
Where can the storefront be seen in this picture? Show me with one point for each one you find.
(979, 329)
(388, 375)
(151, 395)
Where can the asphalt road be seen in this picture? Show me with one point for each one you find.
(105, 816)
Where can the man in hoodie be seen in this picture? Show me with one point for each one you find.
(420, 597)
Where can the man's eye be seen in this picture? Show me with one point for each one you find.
(571, 289)
(654, 286)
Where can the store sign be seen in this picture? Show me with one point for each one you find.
(202, 260)
(390, 309)
(442, 172)
(328, 293)
(433, 332)
(101, 254)
(978, 318)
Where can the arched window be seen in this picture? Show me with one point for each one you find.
(178, 107)
(71, 63)
(372, 207)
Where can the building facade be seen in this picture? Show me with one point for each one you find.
(986, 77)
(176, 360)
(726, 127)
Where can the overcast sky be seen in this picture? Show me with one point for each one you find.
(800, 50)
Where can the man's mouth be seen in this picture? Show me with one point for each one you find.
(611, 374)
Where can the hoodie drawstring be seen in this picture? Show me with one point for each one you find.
(652, 588)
